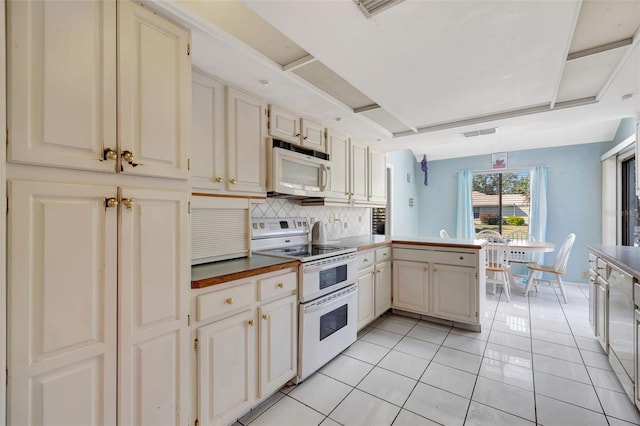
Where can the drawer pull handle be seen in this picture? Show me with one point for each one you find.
(365, 260)
(280, 285)
(229, 301)
(384, 254)
(252, 323)
(599, 268)
(265, 316)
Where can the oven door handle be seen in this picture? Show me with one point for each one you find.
(331, 302)
(326, 266)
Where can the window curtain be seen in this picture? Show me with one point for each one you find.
(538, 216)
(464, 225)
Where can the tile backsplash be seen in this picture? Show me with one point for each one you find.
(348, 221)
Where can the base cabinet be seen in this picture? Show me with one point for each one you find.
(374, 284)
(246, 342)
(366, 294)
(382, 288)
(446, 283)
(602, 314)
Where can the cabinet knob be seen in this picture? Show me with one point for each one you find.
(128, 202)
(280, 285)
(129, 158)
(384, 254)
(266, 316)
(233, 181)
(110, 154)
(252, 323)
(366, 260)
(229, 301)
(218, 179)
(298, 135)
(111, 202)
(305, 138)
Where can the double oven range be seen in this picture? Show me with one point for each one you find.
(327, 289)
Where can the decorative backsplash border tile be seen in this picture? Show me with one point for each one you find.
(349, 221)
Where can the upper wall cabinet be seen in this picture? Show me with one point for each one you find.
(63, 83)
(377, 176)
(338, 182)
(290, 127)
(638, 153)
(358, 172)
(246, 147)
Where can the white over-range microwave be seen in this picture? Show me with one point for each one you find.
(294, 171)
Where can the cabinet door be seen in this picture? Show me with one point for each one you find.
(382, 288)
(62, 304)
(411, 286)
(154, 86)
(602, 310)
(208, 168)
(455, 293)
(592, 301)
(312, 135)
(153, 305)
(246, 167)
(377, 176)
(366, 292)
(226, 369)
(278, 343)
(636, 352)
(338, 148)
(62, 83)
(359, 172)
(284, 125)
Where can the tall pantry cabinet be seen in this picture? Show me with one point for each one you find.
(98, 253)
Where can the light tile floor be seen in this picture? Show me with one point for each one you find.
(535, 362)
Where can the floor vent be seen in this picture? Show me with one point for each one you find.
(373, 7)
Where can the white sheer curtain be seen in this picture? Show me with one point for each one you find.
(464, 224)
(538, 215)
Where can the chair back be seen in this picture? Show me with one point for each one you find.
(562, 258)
(497, 253)
(488, 233)
(444, 233)
(520, 237)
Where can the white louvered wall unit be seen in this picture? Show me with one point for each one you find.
(219, 228)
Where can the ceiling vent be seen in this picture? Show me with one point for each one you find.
(373, 7)
(481, 132)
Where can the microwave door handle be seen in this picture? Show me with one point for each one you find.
(324, 176)
(331, 302)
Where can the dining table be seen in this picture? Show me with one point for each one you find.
(520, 249)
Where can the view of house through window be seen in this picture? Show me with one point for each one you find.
(501, 201)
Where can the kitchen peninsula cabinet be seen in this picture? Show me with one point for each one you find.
(245, 341)
(382, 280)
(374, 284)
(444, 282)
(81, 111)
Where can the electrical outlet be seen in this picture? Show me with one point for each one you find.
(312, 220)
(584, 273)
(332, 217)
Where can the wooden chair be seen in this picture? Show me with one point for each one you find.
(444, 233)
(558, 268)
(497, 260)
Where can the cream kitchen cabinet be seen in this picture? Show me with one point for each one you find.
(366, 288)
(69, 104)
(377, 176)
(338, 181)
(246, 343)
(99, 307)
(236, 164)
(443, 282)
(246, 147)
(382, 278)
(290, 127)
(358, 172)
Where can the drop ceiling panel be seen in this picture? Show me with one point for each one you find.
(386, 120)
(429, 62)
(325, 79)
(585, 77)
(602, 22)
(242, 23)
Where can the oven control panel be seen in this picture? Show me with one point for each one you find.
(278, 227)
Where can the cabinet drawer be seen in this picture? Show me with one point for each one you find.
(222, 301)
(365, 259)
(436, 256)
(636, 294)
(383, 254)
(602, 267)
(592, 261)
(282, 285)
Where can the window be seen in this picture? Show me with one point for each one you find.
(501, 201)
(629, 222)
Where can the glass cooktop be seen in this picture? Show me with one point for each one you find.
(306, 252)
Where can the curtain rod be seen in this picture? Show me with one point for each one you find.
(487, 172)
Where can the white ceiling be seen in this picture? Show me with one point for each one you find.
(431, 69)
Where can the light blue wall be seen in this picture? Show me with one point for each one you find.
(404, 218)
(626, 128)
(574, 195)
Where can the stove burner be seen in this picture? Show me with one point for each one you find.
(304, 251)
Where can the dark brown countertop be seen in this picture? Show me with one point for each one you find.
(209, 274)
(625, 258)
